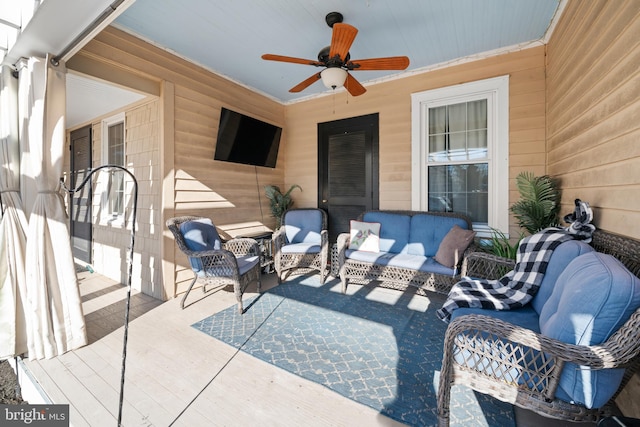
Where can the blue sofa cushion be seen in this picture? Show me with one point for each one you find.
(413, 262)
(394, 230)
(561, 257)
(427, 232)
(303, 226)
(593, 297)
(200, 235)
(525, 317)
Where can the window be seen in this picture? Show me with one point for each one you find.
(113, 153)
(460, 152)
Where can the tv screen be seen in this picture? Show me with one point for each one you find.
(243, 139)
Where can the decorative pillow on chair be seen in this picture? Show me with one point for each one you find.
(453, 246)
(200, 235)
(365, 236)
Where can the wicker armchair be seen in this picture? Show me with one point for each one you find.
(301, 242)
(213, 262)
(519, 366)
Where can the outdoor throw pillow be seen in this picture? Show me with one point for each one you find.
(453, 246)
(365, 236)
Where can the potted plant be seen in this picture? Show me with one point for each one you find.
(279, 202)
(537, 209)
(539, 202)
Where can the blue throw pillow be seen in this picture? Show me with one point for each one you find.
(592, 298)
(200, 235)
(303, 226)
(394, 230)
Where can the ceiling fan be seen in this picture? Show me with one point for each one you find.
(337, 61)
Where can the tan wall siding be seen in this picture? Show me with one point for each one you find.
(392, 100)
(111, 241)
(593, 120)
(230, 194)
(593, 110)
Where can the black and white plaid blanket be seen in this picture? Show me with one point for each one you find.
(516, 288)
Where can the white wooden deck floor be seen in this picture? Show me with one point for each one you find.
(177, 376)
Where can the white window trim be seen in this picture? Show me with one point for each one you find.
(496, 90)
(106, 217)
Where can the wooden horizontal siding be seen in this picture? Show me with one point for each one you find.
(592, 110)
(230, 194)
(392, 100)
(593, 93)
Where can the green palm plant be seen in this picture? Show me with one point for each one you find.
(279, 202)
(539, 202)
(500, 245)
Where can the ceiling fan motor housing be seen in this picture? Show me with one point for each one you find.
(333, 18)
(323, 56)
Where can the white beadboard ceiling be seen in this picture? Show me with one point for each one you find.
(229, 37)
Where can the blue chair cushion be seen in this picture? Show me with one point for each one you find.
(560, 258)
(394, 230)
(593, 297)
(301, 248)
(245, 263)
(200, 235)
(303, 226)
(427, 232)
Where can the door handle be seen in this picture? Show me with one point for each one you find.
(324, 200)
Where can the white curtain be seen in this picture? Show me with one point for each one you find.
(13, 329)
(56, 321)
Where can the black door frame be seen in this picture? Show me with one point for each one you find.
(368, 123)
(77, 198)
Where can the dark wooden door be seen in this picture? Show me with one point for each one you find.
(80, 203)
(347, 170)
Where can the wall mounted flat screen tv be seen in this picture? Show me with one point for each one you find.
(243, 139)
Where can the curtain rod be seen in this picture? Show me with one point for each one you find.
(96, 22)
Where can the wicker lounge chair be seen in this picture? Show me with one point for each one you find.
(213, 262)
(301, 242)
(516, 365)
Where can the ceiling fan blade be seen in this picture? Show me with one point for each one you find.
(280, 58)
(353, 86)
(341, 40)
(390, 63)
(305, 83)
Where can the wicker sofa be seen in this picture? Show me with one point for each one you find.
(568, 353)
(409, 242)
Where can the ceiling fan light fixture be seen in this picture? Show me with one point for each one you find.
(333, 77)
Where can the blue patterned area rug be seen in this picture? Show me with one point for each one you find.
(377, 351)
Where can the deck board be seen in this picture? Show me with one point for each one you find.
(175, 374)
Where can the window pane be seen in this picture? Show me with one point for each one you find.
(437, 120)
(477, 144)
(458, 146)
(437, 148)
(477, 114)
(460, 188)
(116, 144)
(457, 117)
(116, 156)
